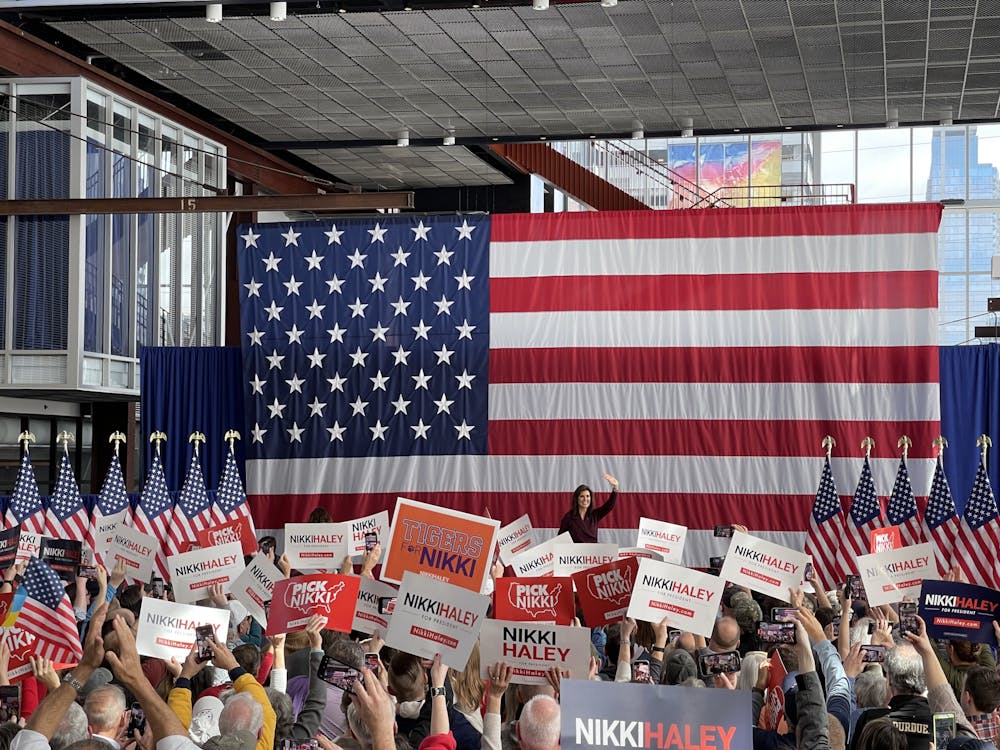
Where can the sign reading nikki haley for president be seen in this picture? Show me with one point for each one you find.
(598, 715)
(763, 566)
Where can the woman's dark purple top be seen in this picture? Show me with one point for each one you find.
(584, 530)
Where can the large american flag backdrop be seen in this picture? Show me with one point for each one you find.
(495, 363)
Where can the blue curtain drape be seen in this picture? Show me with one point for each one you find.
(185, 389)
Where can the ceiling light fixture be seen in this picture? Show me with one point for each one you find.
(213, 12)
(609, 3)
(947, 117)
(449, 138)
(540, 4)
(279, 11)
(892, 117)
(687, 127)
(637, 131)
(404, 138)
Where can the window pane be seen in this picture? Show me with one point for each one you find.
(884, 165)
(952, 242)
(948, 168)
(95, 269)
(836, 157)
(952, 310)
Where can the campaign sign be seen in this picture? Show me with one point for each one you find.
(9, 539)
(688, 598)
(542, 599)
(598, 715)
(890, 576)
(532, 649)
(773, 712)
(167, 628)
(193, 573)
(135, 549)
(572, 558)
(28, 545)
(62, 555)
(440, 543)
(367, 618)
(763, 566)
(355, 531)
(239, 530)
(296, 599)
(315, 546)
(667, 539)
(105, 528)
(885, 539)
(432, 617)
(515, 538)
(605, 591)
(642, 553)
(22, 645)
(254, 586)
(539, 560)
(959, 611)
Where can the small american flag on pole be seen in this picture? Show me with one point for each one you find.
(112, 501)
(154, 513)
(25, 508)
(979, 533)
(193, 511)
(902, 508)
(231, 499)
(67, 516)
(46, 613)
(826, 528)
(941, 522)
(865, 516)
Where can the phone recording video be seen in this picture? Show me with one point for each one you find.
(872, 654)
(908, 618)
(137, 720)
(640, 671)
(854, 588)
(10, 702)
(337, 674)
(203, 636)
(783, 614)
(373, 662)
(809, 574)
(776, 632)
(371, 540)
(713, 664)
(156, 587)
(944, 729)
(386, 605)
(724, 531)
(87, 571)
(672, 635)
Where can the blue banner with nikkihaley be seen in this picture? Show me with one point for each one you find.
(959, 611)
(601, 715)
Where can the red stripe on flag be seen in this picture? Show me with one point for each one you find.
(806, 221)
(816, 364)
(694, 437)
(778, 291)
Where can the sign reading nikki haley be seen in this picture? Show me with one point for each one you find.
(598, 715)
(959, 611)
(763, 566)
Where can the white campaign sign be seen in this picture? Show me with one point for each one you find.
(192, 573)
(366, 617)
(763, 566)
(136, 549)
(432, 617)
(515, 538)
(105, 529)
(641, 552)
(689, 599)
(666, 539)
(531, 649)
(890, 576)
(538, 560)
(316, 546)
(28, 545)
(573, 558)
(354, 532)
(167, 628)
(253, 587)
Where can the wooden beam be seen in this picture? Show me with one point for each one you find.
(209, 204)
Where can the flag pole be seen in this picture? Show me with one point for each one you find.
(231, 437)
(985, 443)
(65, 437)
(197, 438)
(158, 437)
(828, 443)
(940, 442)
(117, 438)
(866, 445)
(26, 439)
(905, 443)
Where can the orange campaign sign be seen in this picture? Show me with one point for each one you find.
(441, 543)
(239, 530)
(885, 539)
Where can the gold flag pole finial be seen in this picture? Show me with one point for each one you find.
(158, 437)
(940, 442)
(984, 442)
(197, 438)
(905, 443)
(828, 443)
(26, 438)
(866, 445)
(65, 438)
(117, 437)
(231, 437)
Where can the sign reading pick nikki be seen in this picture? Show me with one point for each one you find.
(542, 599)
(598, 715)
(763, 566)
(532, 649)
(605, 591)
(193, 573)
(688, 598)
(959, 611)
(295, 600)
(890, 576)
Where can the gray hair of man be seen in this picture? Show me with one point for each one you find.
(871, 689)
(859, 631)
(538, 727)
(747, 678)
(904, 669)
(105, 707)
(242, 713)
(284, 714)
(72, 728)
(359, 729)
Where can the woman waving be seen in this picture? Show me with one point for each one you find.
(582, 520)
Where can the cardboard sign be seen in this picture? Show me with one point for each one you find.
(367, 617)
(539, 560)
(605, 591)
(22, 645)
(890, 576)
(137, 550)
(315, 546)
(104, 529)
(531, 650)
(572, 558)
(689, 598)
(448, 545)
(773, 712)
(515, 538)
(544, 599)
(624, 553)
(193, 573)
(9, 539)
(254, 586)
(885, 539)
(355, 531)
(167, 628)
(62, 555)
(432, 617)
(667, 539)
(959, 611)
(238, 530)
(598, 715)
(296, 599)
(763, 566)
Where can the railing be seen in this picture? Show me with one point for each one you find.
(744, 196)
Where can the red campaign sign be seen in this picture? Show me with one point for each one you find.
(295, 600)
(22, 646)
(239, 530)
(605, 590)
(773, 713)
(534, 600)
(885, 539)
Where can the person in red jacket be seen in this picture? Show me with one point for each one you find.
(583, 518)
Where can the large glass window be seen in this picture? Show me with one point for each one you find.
(884, 165)
(96, 227)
